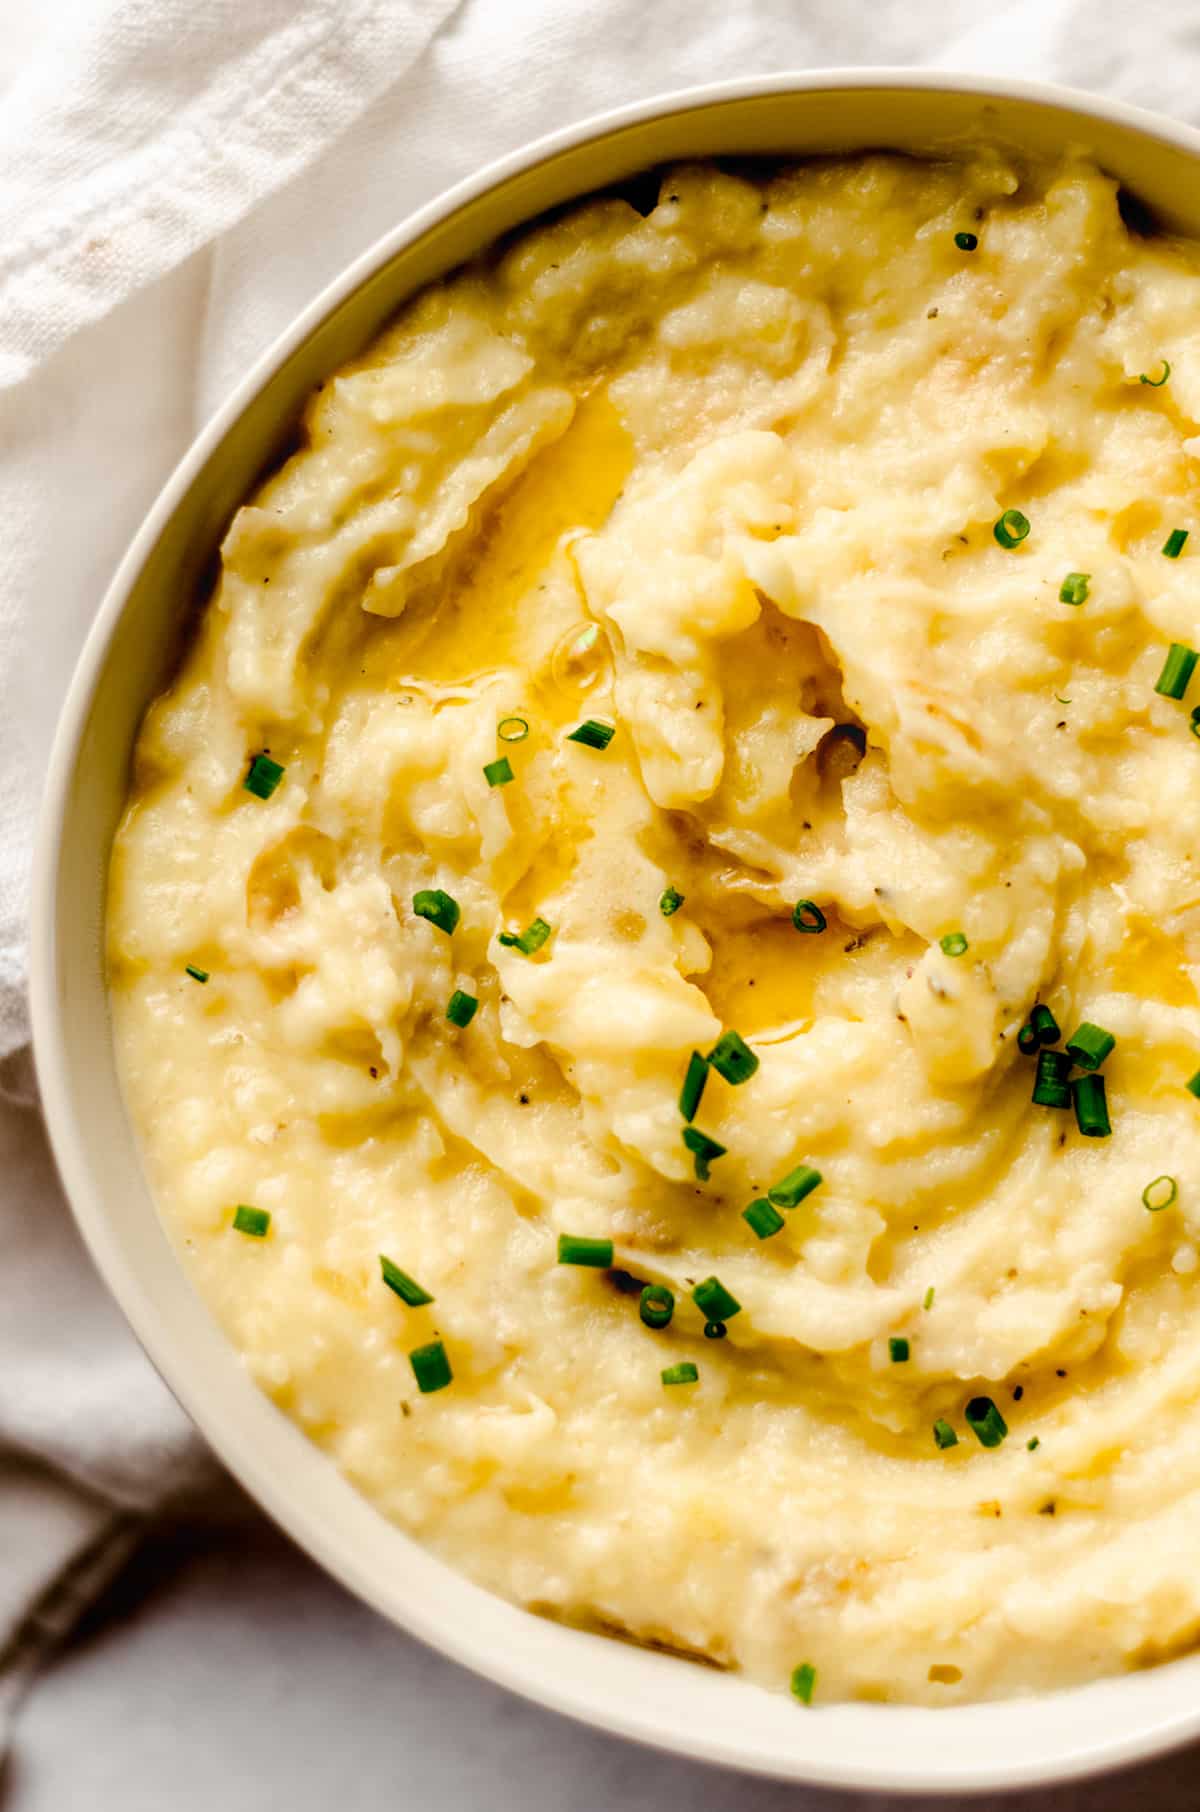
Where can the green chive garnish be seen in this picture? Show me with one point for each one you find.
(943, 1434)
(807, 916)
(441, 909)
(762, 1219)
(1091, 1107)
(954, 944)
(1027, 1039)
(1032, 1445)
(462, 1008)
(1011, 529)
(928, 1302)
(529, 940)
(714, 1301)
(512, 729)
(1074, 588)
(1177, 671)
(200, 975)
(986, 1422)
(669, 902)
(703, 1149)
(732, 1058)
(1089, 1046)
(253, 1221)
(804, 1677)
(431, 1368)
(966, 242)
(1156, 383)
(715, 1330)
(498, 772)
(405, 1287)
(693, 1086)
(575, 1249)
(656, 1305)
(1174, 543)
(593, 735)
(898, 1349)
(1051, 1087)
(683, 1373)
(1193, 1087)
(1194, 721)
(794, 1187)
(1162, 1193)
(263, 776)
(1044, 1024)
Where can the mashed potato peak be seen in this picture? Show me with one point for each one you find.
(723, 478)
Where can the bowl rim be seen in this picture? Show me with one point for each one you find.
(1150, 1735)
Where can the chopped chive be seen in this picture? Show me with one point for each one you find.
(954, 944)
(898, 1349)
(461, 1008)
(498, 772)
(985, 1422)
(1027, 1039)
(1173, 545)
(715, 1330)
(575, 1249)
(1091, 1107)
(200, 975)
(251, 1221)
(804, 1678)
(807, 916)
(1044, 1024)
(669, 902)
(693, 1085)
(792, 1189)
(928, 1302)
(1162, 1193)
(683, 1373)
(1032, 1445)
(943, 1434)
(1011, 528)
(732, 1058)
(1194, 721)
(703, 1149)
(405, 1287)
(1074, 588)
(1177, 671)
(512, 729)
(656, 1305)
(1156, 383)
(1193, 1086)
(762, 1219)
(441, 909)
(263, 776)
(1089, 1046)
(714, 1301)
(593, 735)
(431, 1368)
(529, 940)
(1051, 1087)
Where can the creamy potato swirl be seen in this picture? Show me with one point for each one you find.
(724, 477)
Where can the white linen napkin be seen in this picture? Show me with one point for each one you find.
(177, 177)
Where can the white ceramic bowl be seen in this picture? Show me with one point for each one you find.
(127, 657)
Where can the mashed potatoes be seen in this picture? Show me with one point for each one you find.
(782, 484)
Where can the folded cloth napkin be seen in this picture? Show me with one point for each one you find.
(176, 178)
